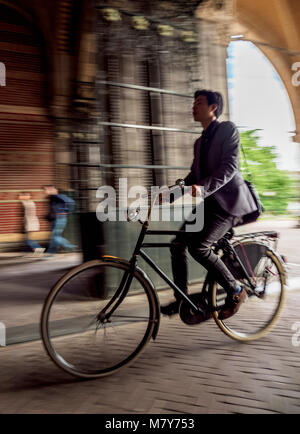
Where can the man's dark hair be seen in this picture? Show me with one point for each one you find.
(212, 98)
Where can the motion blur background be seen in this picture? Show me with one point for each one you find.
(101, 90)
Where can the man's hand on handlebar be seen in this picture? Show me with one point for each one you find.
(196, 191)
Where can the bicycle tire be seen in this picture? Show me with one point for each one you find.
(71, 341)
(246, 324)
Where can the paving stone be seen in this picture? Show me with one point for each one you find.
(187, 370)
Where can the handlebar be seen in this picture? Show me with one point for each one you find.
(132, 215)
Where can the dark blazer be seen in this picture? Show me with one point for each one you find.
(223, 179)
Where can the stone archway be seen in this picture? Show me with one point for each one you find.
(272, 25)
(277, 28)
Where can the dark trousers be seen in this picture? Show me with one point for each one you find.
(216, 223)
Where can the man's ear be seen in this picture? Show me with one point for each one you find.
(214, 108)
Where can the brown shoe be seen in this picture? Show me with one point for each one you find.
(233, 304)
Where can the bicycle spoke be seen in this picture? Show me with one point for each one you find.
(91, 328)
(263, 302)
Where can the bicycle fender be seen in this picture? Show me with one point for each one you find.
(144, 276)
(281, 263)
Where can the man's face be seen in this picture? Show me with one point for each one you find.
(202, 111)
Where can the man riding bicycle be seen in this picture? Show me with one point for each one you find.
(226, 200)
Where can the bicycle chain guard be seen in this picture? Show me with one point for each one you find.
(191, 317)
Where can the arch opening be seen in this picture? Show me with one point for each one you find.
(259, 100)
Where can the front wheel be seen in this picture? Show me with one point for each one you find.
(88, 328)
(258, 314)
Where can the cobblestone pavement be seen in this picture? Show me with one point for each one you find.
(186, 370)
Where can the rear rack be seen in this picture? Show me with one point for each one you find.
(268, 237)
(268, 234)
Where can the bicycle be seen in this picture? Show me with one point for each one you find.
(100, 315)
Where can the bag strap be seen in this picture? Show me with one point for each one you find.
(248, 173)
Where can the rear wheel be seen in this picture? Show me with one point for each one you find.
(258, 314)
(77, 331)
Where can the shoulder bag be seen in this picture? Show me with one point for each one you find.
(253, 216)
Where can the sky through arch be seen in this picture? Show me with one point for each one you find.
(258, 99)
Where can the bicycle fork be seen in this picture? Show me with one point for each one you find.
(122, 291)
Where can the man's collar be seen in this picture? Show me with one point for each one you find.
(210, 127)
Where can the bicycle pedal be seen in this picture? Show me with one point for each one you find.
(189, 315)
(170, 309)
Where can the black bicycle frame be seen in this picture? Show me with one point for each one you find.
(139, 252)
(128, 276)
(224, 244)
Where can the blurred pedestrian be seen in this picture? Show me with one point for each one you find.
(31, 223)
(59, 207)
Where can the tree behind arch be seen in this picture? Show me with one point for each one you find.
(275, 187)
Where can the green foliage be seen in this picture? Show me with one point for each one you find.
(266, 177)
